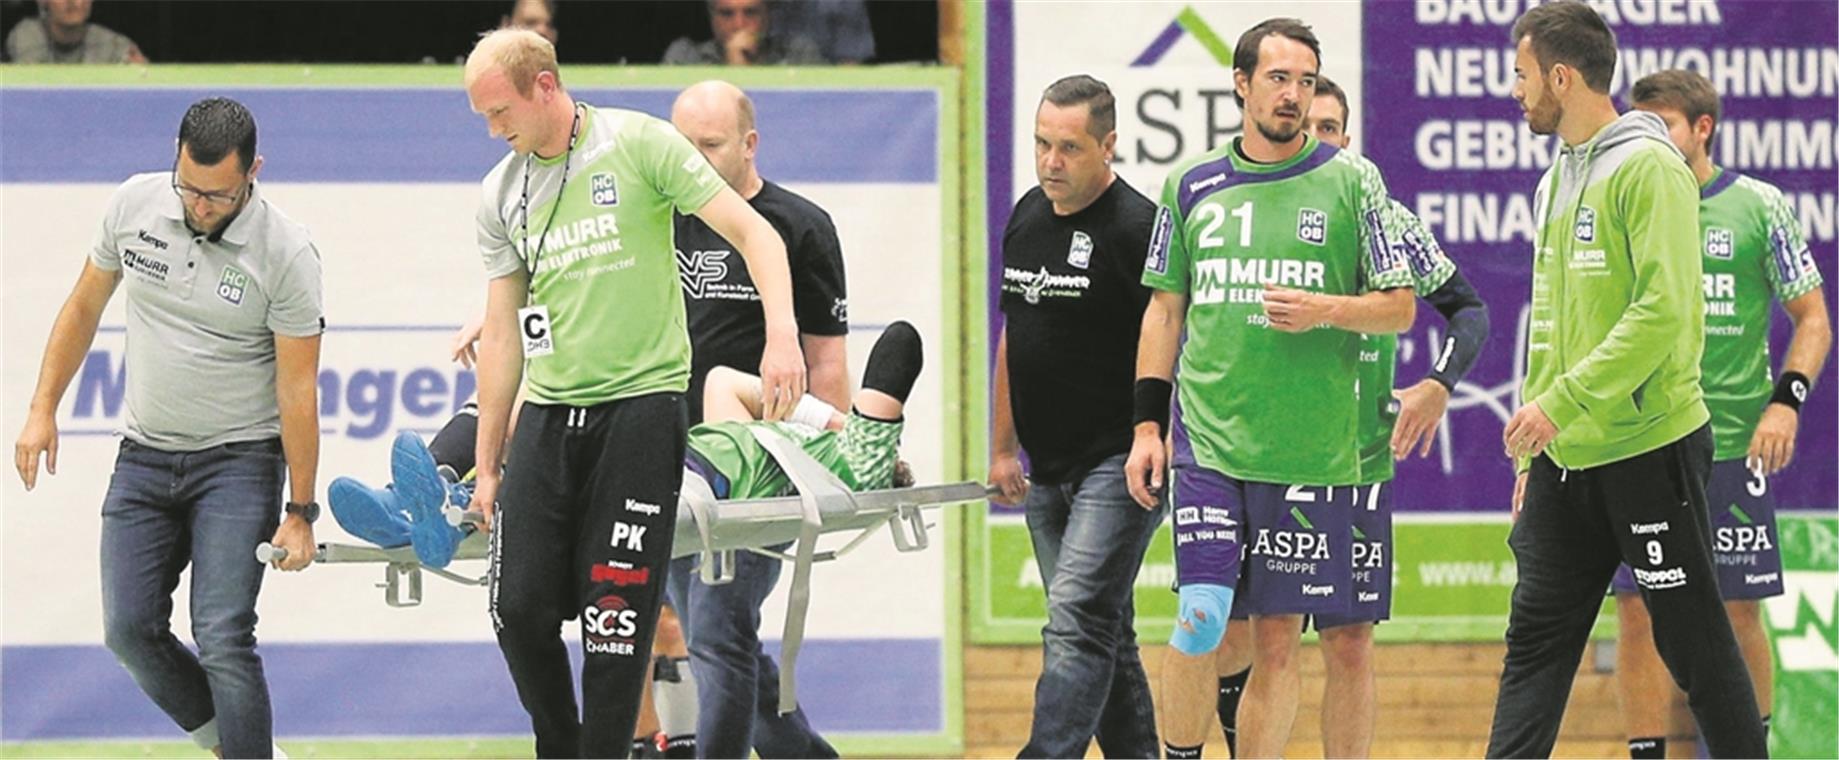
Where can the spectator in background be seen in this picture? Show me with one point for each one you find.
(742, 39)
(535, 15)
(63, 34)
(839, 28)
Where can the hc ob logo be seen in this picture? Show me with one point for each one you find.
(1585, 228)
(232, 285)
(1311, 226)
(1719, 243)
(602, 190)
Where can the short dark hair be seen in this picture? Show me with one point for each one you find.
(1326, 86)
(1571, 33)
(215, 126)
(1080, 88)
(1245, 55)
(1689, 92)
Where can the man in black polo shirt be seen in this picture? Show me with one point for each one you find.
(736, 682)
(1072, 260)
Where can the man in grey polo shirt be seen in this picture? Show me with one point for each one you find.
(224, 319)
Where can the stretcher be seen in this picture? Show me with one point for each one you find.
(714, 530)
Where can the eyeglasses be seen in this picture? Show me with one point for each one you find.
(220, 200)
(192, 195)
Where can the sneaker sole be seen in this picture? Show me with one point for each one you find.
(418, 482)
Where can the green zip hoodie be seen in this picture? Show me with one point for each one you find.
(1618, 312)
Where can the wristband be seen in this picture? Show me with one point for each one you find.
(1152, 402)
(1791, 390)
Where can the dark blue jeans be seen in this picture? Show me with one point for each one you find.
(1089, 538)
(208, 509)
(737, 684)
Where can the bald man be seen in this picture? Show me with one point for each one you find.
(736, 682)
(576, 233)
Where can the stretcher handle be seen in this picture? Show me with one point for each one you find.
(458, 516)
(266, 552)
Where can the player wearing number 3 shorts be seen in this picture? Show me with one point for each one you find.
(1753, 254)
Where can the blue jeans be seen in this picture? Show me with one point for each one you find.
(1089, 538)
(208, 509)
(737, 684)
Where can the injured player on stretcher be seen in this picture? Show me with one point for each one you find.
(860, 448)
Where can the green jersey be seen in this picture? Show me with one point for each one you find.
(1256, 403)
(1379, 353)
(1754, 250)
(862, 454)
(1616, 325)
(599, 247)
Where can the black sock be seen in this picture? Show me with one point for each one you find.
(895, 361)
(1231, 688)
(1647, 747)
(453, 446)
(1173, 752)
(864, 415)
(640, 747)
(1766, 719)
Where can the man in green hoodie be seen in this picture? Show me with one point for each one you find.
(1612, 444)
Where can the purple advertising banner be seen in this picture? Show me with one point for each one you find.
(1441, 122)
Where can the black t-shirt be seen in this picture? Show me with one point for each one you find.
(727, 324)
(1073, 297)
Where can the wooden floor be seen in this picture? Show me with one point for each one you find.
(1435, 700)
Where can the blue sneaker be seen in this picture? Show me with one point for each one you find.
(372, 514)
(424, 492)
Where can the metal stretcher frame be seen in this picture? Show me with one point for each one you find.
(716, 529)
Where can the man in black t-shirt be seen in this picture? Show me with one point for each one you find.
(736, 682)
(725, 319)
(1065, 368)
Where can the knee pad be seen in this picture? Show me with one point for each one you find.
(1202, 623)
(895, 361)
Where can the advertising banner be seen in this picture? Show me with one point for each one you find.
(385, 173)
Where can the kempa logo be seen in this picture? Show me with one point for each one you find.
(696, 269)
(634, 505)
(151, 240)
(1310, 589)
(1187, 22)
(1202, 184)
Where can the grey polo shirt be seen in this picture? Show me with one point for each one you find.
(203, 315)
